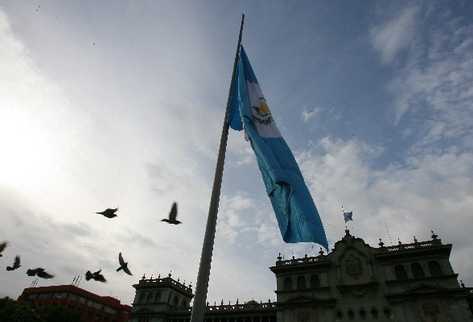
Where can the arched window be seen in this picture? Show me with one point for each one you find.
(400, 272)
(314, 281)
(387, 313)
(301, 282)
(417, 270)
(362, 314)
(374, 313)
(351, 314)
(143, 297)
(435, 269)
(287, 284)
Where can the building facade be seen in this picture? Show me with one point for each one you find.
(90, 306)
(355, 282)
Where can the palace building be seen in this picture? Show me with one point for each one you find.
(355, 282)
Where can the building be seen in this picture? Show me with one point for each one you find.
(92, 307)
(355, 282)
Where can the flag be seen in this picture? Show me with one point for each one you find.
(296, 213)
(348, 216)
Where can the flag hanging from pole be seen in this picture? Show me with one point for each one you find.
(295, 210)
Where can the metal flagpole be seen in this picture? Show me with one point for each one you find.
(201, 288)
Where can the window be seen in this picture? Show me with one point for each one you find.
(287, 284)
(314, 281)
(362, 314)
(157, 296)
(400, 272)
(301, 282)
(387, 313)
(351, 315)
(374, 313)
(142, 297)
(175, 301)
(417, 270)
(150, 297)
(435, 269)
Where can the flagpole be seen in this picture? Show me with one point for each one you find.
(198, 307)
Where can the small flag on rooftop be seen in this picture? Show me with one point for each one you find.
(348, 216)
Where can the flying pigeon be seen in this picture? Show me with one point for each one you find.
(172, 216)
(16, 264)
(2, 247)
(123, 265)
(40, 272)
(96, 276)
(109, 212)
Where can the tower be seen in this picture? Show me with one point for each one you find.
(159, 296)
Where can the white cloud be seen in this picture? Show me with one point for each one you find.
(237, 216)
(394, 35)
(308, 115)
(436, 84)
(240, 149)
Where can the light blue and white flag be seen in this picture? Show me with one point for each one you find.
(295, 210)
(348, 216)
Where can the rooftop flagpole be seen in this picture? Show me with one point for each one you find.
(198, 307)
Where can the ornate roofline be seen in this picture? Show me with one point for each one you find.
(168, 281)
(381, 252)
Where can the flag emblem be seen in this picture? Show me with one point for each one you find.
(262, 114)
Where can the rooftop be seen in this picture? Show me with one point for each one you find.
(72, 289)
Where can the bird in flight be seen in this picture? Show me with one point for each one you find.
(96, 276)
(109, 212)
(40, 272)
(3, 245)
(123, 265)
(172, 216)
(16, 264)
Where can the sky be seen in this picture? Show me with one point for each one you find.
(120, 104)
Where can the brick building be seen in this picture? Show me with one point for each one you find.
(92, 307)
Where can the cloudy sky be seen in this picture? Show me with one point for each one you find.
(120, 104)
